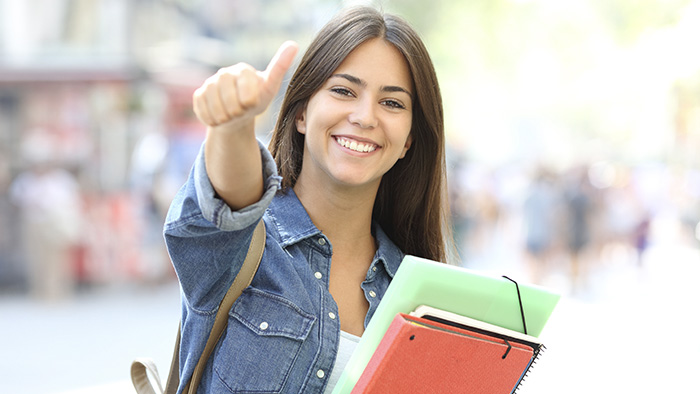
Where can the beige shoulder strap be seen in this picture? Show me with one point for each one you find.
(141, 367)
(243, 279)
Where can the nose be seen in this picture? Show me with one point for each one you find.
(363, 114)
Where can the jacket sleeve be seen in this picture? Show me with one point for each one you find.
(207, 240)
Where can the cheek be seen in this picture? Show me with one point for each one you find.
(310, 119)
(404, 130)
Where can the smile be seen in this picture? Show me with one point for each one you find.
(356, 146)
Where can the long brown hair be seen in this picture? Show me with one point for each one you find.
(411, 204)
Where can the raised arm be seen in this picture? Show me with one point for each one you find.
(227, 103)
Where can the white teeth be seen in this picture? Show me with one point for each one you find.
(356, 146)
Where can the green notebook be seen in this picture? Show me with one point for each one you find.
(491, 299)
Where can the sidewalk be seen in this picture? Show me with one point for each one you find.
(627, 335)
(87, 343)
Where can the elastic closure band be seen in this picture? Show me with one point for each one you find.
(520, 301)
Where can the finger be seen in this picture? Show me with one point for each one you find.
(200, 109)
(229, 95)
(248, 88)
(280, 63)
(214, 104)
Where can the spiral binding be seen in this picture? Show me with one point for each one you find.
(535, 357)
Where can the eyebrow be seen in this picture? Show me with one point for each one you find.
(357, 81)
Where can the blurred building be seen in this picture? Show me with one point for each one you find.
(107, 85)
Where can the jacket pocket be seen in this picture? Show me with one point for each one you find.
(264, 336)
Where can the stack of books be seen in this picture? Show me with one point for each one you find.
(446, 329)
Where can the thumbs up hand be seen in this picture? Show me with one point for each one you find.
(238, 93)
(227, 103)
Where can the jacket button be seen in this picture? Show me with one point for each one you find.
(264, 325)
(331, 315)
(372, 293)
(321, 241)
(320, 374)
(318, 275)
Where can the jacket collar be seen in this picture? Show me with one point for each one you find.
(290, 218)
(387, 252)
(294, 225)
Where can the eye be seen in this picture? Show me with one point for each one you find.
(342, 91)
(393, 104)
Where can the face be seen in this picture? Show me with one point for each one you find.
(357, 125)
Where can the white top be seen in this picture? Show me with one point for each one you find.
(348, 343)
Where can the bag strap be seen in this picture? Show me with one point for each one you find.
(174, 374)
(243, 279)
(139, 376)
(142, 366)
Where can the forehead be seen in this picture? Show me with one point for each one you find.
(379, 63)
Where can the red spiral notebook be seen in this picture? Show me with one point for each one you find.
(421, 355)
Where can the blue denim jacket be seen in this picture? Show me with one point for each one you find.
(283, 331)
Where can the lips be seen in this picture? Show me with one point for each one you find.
(355, 145)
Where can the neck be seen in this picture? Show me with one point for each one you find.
(343, 214)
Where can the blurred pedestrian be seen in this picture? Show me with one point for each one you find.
(51, 216)
(579, 208)
(540, 211)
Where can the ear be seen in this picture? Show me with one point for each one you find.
(300, 121)
(407, 146)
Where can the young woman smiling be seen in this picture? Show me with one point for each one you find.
(353, 180)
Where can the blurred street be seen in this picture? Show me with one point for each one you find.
(625, 334)
(87, 344)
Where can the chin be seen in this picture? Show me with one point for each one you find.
(356, 182)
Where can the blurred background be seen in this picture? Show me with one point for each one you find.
(573, 132)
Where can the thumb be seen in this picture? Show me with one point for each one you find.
(280, 63)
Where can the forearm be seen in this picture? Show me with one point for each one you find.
(233, 163)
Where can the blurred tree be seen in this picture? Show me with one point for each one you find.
(627, 19)
(565, 69)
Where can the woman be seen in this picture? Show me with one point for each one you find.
(360, 150)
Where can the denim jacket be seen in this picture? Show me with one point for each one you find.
(283, 331)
